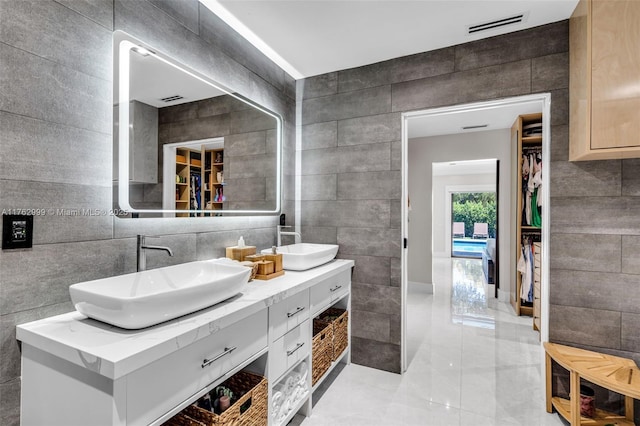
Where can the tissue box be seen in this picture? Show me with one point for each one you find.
(239, 253)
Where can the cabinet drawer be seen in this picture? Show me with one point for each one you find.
(330, 290)
(286, 315)
(162, 385)
(289, 349)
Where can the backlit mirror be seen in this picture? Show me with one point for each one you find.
(185, 145)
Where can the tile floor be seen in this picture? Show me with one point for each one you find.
(472, 362)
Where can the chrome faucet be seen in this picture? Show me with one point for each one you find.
(141, 252)
(281, 233)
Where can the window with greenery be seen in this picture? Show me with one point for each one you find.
(475, 207)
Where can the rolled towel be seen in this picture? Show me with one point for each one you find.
(277, 399)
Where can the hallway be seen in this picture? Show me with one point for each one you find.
(471, 362)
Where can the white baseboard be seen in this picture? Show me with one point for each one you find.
(420, 287)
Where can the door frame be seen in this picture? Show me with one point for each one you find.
(545, 102)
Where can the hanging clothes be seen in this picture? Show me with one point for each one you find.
(525, 267)
(531, 206)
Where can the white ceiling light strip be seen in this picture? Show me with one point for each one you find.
(251, 37)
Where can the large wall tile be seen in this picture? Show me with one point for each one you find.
(211, 245)
(631, 254)
(320, 85)
(586, 178)
(370, 325)
(320, 135)
(71, 212)
(396, 272)
(370, 129)
(584, 252)
(631, 177)
(370, 353)
(359, 103)
(43, 276)
(38, 88)
(319, 161)
(396, 155)
(79, 43)
(10, 403)
(584, 326)
(364, 158)
(550, 72)
(467, 86)
(318, 187)
(369, 186)
(99, 11)
(373, 213)
(559, 107)
(422, 65)
(396, 212)
(539, 41)
(372, 270)
(9, 346)
(124, 228)
(251, 120)
(319, 234)
(31, 150)
(560, 143)
(595, 215)
(373, 75)
(375, 298)
(369, 241)
(184, 11)
(630, 335)
(597, 290)
(245, 144)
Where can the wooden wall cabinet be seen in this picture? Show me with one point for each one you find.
(604, 80)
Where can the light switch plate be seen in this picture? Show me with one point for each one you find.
(17, 231)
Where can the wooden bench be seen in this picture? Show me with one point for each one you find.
(617, 374)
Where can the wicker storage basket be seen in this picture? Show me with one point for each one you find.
(321, 349)
(339, 318)
(182, 420)
(249, 410)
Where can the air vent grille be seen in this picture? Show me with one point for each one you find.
(172, 98)
(478, 126)
(472, 29)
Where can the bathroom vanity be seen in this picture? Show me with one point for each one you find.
(78, 371)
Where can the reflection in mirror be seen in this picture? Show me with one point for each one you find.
(187, 146)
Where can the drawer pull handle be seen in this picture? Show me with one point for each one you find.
(336, 288)
(292, 351)
(227, 351)
(298, 310)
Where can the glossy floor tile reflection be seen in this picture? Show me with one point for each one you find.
(472, 362)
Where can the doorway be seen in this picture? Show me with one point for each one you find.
(460, 118)
(473, 222)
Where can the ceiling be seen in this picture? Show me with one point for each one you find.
(308, 38)
(472, 167)
(497, 117)
(152, 79)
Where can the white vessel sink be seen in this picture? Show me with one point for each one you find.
(303, 256)
(143, 299)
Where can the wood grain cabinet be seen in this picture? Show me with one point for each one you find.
(604, 86)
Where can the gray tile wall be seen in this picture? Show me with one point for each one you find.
(351, 187)
(56, 150)
(249, 146)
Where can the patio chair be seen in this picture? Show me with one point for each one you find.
(458, 229)
(480, 230)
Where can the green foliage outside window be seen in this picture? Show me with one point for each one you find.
(475, 207)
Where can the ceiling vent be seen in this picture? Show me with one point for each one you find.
(479, 126)
(515, 19)
(172, 98)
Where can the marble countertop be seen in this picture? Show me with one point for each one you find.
(115, 352)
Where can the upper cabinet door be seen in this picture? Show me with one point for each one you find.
(605, 80)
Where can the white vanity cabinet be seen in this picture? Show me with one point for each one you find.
(77, 371)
